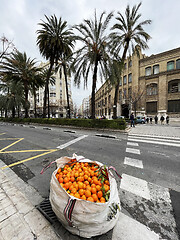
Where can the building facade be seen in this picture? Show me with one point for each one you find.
(57, 97)
(149, 86)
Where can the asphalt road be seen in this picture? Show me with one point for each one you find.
(37, 146)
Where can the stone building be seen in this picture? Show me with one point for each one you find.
(148, 86)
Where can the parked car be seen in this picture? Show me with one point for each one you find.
(120, 117)
(140, 119)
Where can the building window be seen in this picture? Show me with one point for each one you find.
(148, 71)
(106, 101)
(178, 64)
(170, 65)
(120, 95)
(151, 89)
(109, 111)
(52, 94)
(125, 65)
(109, 99)
(124, 79)
(155, 69)
(174, 106)
(130, 63)
(151, 107)
(120, 82)
(125, 93)
(130, 78)
(130, 93)
(174, 86)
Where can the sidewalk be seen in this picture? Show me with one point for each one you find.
(19, 219)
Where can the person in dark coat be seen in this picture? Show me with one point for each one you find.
(156, 119)
(167, 119)
(162, 119)
(132, 120)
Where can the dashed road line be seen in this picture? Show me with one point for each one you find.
(135, 185)
(132, 144)
(133, 150)
(133, 162)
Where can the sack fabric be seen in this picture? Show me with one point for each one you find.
(88, 219)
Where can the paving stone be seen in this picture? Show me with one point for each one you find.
(36, 222)
(48, 234)
(8, 232)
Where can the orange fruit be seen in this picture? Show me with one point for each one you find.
(98, 187)
(102, 200)
(81, 185)
(66, 179)
(106, 187)
(87, 193)
(83, 197)
(76, 174)
(100, 194)
(60, 180)
(66, 185)
(88, 188)
(72, 179)
(90, 199)
(86, 182)
(93, 189)
(81, 192)
(95, 197)
(73, 190)
(77, 195)
(107, 182)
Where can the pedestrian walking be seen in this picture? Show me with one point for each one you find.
(147, 120)
(132, 120)
(162, 119)
(156, 119)
(167, 119)
(151, 120)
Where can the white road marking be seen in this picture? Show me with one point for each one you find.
(129, 228)
(135, 185)
(153, 136)
(132, 144)
(155, 139)
(155, 142)
(133, 162)
(71, 142)
(133, 150)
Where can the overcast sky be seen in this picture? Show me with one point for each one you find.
(19, 22)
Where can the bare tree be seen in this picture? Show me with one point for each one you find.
(6, 48)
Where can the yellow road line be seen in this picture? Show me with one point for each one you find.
(28, 159)
(2, 133)
(20, 139)
(22, 151)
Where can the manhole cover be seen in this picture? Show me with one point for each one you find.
(45, 208)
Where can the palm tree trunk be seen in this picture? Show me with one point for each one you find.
(35, 111)
(46, 91)
(26, 103)
(93, 90)
(67, 92)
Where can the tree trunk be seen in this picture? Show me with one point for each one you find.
(67, 92)
(46, 91)
(93, 90)
(26, 103)
(13, 112)
(35, 111)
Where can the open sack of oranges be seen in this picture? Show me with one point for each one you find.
(84, 196)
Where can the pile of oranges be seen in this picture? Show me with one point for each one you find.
(85, 181)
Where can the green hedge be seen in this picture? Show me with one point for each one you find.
(86, 123)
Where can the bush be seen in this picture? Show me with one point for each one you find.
(86, 123)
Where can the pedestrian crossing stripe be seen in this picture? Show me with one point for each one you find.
(133, 162)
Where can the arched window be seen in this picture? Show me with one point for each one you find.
(178, 64)
(174, 86)
(156, 69)
(170, 65)
(151, 89)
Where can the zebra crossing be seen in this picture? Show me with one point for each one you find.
(148, 204)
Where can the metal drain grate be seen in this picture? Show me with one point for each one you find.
(45, 208)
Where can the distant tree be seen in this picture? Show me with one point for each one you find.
(129, 35)
(19, 69)
(11, 97)
(94, 54)
(55, 41)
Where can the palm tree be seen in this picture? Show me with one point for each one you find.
(55, 42)
(19, 68)
(129, 35)
(11, 97)
(93, 55)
